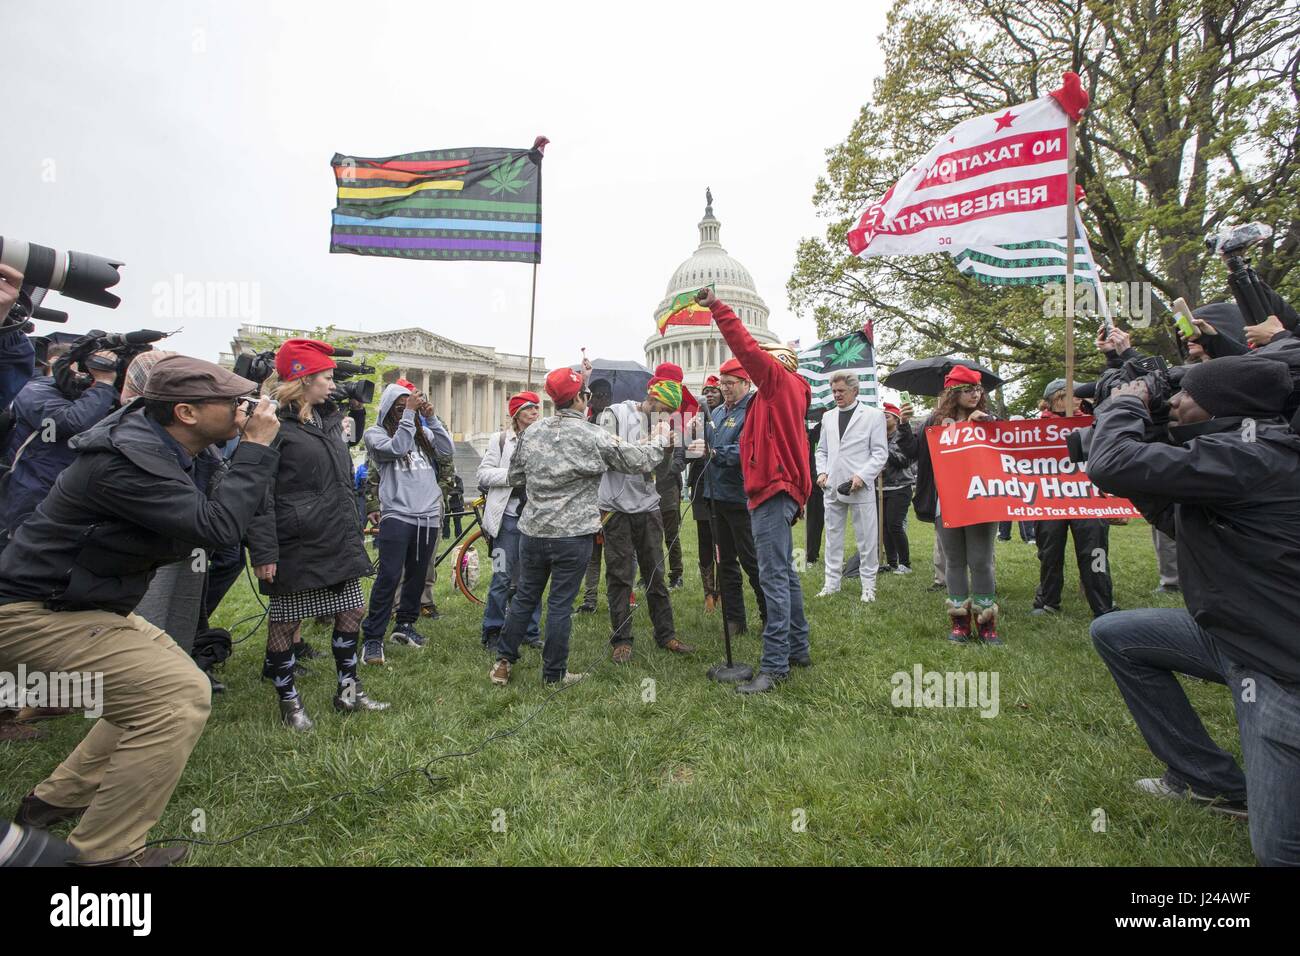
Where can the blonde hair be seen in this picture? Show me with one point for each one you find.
(291, 392)
(137, 373)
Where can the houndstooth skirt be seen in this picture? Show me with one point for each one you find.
(317, 602)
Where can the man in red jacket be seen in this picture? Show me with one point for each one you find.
(774, 460)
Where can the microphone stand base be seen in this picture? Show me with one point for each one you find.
(731, 673)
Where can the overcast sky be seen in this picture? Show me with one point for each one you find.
(193, 139)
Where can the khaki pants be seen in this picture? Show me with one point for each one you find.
(155, 703)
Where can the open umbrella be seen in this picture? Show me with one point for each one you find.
(627, 380)
(925, 376)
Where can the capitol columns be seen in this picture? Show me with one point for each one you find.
(444, 405)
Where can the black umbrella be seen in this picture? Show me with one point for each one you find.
(925, 376)
(627, 380)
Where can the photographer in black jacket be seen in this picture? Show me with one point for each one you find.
(70, 576)
(1227, 489)
(305, 543)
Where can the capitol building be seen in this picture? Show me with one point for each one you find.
(700, 349)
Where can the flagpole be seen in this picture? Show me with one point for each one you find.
(532, 314)
(539, 147)
(1070, 214)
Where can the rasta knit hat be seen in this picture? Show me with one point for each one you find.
(666, 391)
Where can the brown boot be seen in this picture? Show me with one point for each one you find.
(709, 604)
(621, 654)
(35, 812)
(677, 647)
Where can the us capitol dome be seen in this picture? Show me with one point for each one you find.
(700, 349)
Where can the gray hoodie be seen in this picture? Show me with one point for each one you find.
(408, 481)
(629, 494)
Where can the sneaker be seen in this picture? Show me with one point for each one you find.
(1168, 589)
(373, 653)
(408, 635)
(500, 673)
(568, 678)
(430, 611)
(827, 592)
(677, 647)
(902, 569)
(1161, 787)
(869, 597)
(675, 584)
(887, 568)
(585, 608)
(1040, 611)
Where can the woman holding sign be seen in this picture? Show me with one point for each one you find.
(968, 552)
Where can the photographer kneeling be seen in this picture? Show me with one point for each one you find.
(70, 576)
(1228, 490)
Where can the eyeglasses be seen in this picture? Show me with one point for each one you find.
(971, 389)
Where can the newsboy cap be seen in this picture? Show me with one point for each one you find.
(179, 378)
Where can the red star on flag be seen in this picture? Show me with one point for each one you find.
(1004, 121)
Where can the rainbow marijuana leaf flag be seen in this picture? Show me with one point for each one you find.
(478, 203)
(684, 310)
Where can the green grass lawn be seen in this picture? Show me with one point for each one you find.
(600, 775)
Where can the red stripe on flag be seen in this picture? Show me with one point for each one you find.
(1024, 195)
(419, 165)
(1025, 149)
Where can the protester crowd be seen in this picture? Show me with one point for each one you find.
(134, 497)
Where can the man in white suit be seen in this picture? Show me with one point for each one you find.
(853, 450)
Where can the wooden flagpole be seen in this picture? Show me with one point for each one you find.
(1070, 214)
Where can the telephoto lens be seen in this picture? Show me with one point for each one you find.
(77, 275)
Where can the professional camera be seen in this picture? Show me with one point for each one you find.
(124, 346)
(1247, 287)
(77, 275)
(255, 366)
(363, 391)
(1161, 382)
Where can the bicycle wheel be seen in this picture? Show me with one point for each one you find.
(472, 572)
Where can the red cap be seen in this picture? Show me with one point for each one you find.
(668, 371)
(562, 385)
(891, 409)
(711, 382)
(734, 368)
(521, 401)
(671, 372)
(962, 375)
(299, 357)
(408, 385)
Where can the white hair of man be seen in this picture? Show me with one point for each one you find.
(848, 378)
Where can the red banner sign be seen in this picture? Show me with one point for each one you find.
(1014, 471)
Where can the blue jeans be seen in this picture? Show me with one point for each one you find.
(1144, 650)
(403, 547)
(564, 562)
(505, 549)
(786, 632)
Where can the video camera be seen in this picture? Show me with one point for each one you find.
(124, 346)
(259, 366)
(1161, 382)
(1247, 287)
(77, 275)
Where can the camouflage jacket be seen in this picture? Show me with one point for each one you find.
(559, 463)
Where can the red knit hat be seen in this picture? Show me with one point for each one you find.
(734, 368)
(711, 382)
(521, 401)
(562, 384)
(892, 409)
(299, 357)
(962, 375)
(406, 384)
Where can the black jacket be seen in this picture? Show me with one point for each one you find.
(900, 466)
(1233, 506)
(308, 524)
(122, 509)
